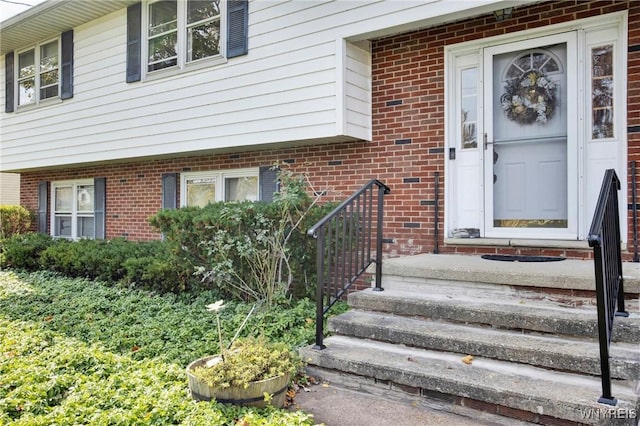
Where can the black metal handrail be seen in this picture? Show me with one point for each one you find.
(634, 211)
(345, 249)
(604, 238)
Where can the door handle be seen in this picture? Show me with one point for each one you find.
(486, 143)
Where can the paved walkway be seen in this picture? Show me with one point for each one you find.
(336, 406)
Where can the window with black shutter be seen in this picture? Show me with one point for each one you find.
(181, 34)
(39, 73)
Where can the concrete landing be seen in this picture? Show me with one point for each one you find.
(565, 274)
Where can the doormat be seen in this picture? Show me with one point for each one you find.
(521, 258)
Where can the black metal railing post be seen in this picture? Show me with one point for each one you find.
(345, 248)
(436, 212)
(319, 291)
(381, 192)
(634, 210)
(604, 238)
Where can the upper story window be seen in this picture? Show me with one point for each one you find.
(38, 73)
(182, 31)
(173, 34)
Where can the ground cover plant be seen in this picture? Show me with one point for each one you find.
(74, 351)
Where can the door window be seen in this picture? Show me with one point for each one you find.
(529, 151)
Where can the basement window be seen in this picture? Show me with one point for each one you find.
(73, 209)
(202, 188)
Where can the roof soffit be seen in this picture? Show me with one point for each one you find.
(51, 18)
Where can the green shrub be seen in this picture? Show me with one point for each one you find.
(14, 220)
(249, 360)
(250, 250)
(148, 265)
(95, 259)
(159, 270)
(23, 251)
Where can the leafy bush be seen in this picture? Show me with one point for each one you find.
(250, 250)
(250, 360)
(95, 259)
(14, 220)
(144, 264)
(158, 271)
(23, 251)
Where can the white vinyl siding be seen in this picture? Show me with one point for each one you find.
(299, 83)
(9, 189)
(357, 92)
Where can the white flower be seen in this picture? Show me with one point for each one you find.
(215, 307)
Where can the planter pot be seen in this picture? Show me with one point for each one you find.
(251, 396)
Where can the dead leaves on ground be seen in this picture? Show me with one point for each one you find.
(301, 383)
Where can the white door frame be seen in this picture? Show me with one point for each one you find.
(593, 155)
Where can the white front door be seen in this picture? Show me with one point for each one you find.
(530, 140)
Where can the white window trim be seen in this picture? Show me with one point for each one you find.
(74, 208)
(219, 176)
(182, 64)
(16, 72)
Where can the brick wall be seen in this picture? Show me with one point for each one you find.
(134, 190)
(408, 138)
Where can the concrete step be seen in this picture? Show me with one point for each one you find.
(565, 354)
(546, 396)
(567, 274)
(496, 306)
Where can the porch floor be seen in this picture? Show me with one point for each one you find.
(568, 274)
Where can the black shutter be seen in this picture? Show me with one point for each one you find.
(43, 206)
(66, 80)
(134, 40)
(269, 184)
(8, 86)
(99, 208)
(238, 32)
(169, 190)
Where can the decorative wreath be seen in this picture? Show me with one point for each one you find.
(84, 197)
(529, 99)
